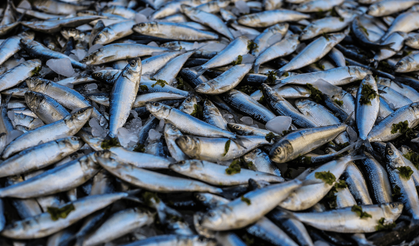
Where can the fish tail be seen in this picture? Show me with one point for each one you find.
(388, 46)
(132, 195)
(348, 119)
(286, 214)
(256, 68)
(239, 140)
(365, 142)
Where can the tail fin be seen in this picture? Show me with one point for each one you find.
(132, 196)
(304, 174)
(239, 140)
(348, 119)
(364, 142)
(387, 46)
(256, 68)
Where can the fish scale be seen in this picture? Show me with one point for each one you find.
(125, 117)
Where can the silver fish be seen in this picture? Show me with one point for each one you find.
(152, 180)
(46, 108)
(114, 32)
(44, 225)
(208, 19)
(64, 177)
(303, 141)
(313, 52)
(40, 156)
(123, 94)
(173, 31)
(19, 73)
(344, 220)
(186, 123)
(226, 81)
(114, 52)
(214, 149)
(237, 47)
(68, 126)
(271, 17)
(216, 174)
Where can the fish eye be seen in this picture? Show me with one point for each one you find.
(132, 63)
(201, 198)
(211, 214)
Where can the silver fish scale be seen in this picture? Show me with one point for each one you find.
(182, 122)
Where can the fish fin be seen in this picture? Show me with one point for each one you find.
(199, 71)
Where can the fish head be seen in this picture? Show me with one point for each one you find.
(171, 130)
(202, 88)
(37, 84)
(103, 36)
(204, 198)
(188, 105)
(188, 144)
(82, 115)
(281, 28)
(216, 217)
(158, 110)
(146, 27)
(302, 7)
(308, 32)
(304, 103)
(187, 166)
(104, 159)
(209, 105)
(236, 128)
(251, 155)
(393, 156)
(404, 65)
(375, 9)
(358, 72)
(73, 143)
(223, 3)
(134, 66)
(392, 210)
(188, 10)
(91, 59)
(337, 37)
(411, 40)
(34, 99)
(281, 151)
(27, 43)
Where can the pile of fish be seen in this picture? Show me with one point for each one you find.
(209, 122)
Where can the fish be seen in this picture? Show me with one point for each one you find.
(122, 96)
